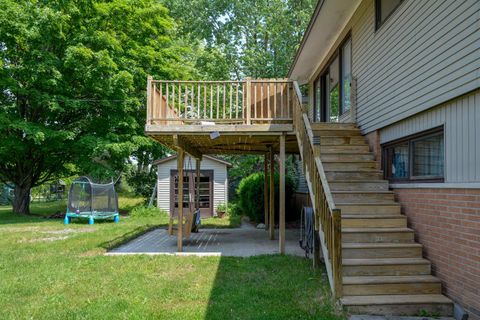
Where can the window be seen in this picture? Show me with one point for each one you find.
(384, 9)
(418, 157)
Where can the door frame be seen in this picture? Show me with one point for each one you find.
(204, 212)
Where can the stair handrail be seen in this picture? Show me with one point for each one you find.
(328, 217)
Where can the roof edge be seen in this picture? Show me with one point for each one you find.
(306, 34)
(166, 159)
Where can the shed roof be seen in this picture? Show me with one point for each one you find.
(163, 160)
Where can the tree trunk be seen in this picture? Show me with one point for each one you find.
(21, 202)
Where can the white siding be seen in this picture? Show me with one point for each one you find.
(461, 120)
(220, 181)
(426, 53)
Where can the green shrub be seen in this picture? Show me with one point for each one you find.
(144, 211)
(250, 196)
(222, 207)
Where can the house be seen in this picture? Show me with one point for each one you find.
(213, 183)
(388, 141)
(408, 74)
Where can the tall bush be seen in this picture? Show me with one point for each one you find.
(250, 194)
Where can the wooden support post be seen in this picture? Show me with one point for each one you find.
(281, 229)
(197, 191)
(265, 190)
(180, 158)
(271, 221)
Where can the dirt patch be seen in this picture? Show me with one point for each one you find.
(92, 253)
(20, 229)
(69, 231)
(47, 239)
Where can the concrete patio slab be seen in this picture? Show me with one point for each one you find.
(239, 242)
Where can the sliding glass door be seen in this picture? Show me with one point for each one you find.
(346, 52)
(332, 88)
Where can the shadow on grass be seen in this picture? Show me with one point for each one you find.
(12, 218)
(270, 287)
(126, 237)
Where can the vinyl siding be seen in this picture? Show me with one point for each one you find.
(220, 180)
(426, 53)
(461, 120)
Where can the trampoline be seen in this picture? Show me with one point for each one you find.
(92, 201)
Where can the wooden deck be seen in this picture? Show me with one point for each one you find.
(225, 117)
(221, 117)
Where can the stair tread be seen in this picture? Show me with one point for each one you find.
(352, 280)
(395, 299)
(358, 181)
(387, 261)
(385, 203)
(373, 230)
(373, 245)
(346, 153)
(370, 170)
(348, 161)
(363, 191)
(334, 136)
(373, 216)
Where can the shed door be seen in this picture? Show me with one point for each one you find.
(189, 191)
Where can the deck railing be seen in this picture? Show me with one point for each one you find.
(328, 217)
(224, 102)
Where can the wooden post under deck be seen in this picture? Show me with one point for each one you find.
(281, 225)
(271, 221)
(265, 190)
(180, 158)
(197, 191)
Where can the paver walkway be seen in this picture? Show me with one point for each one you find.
(239, 242)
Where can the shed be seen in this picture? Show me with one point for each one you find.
(213, 183)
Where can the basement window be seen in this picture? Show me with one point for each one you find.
(419, 157)
(384, 9)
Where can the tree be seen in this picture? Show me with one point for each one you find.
(72, 86)
(257, 38)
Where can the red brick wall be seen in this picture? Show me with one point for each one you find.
(447, 223)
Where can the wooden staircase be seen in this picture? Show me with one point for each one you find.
(383, 271)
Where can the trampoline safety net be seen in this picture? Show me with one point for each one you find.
(88, 198)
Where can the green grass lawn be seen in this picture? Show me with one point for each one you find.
(52, 271)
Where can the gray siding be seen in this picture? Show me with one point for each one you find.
(220, 181)
(426, 53)
(461, 120)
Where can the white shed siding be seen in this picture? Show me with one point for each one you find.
(461, 120)
(426, 53)
(220, 181)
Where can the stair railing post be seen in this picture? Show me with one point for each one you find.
(149, 99)
(337, 253)
(248, 99)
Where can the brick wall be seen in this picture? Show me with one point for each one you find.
(447, 223)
